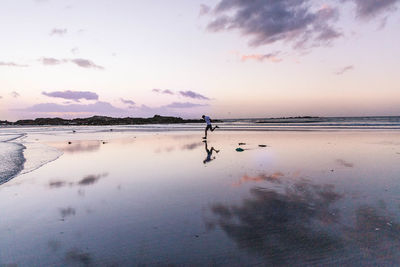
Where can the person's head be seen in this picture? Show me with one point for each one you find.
(203, 116)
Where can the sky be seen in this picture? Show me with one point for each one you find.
(224, 58)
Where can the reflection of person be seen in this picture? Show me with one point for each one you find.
(209, 153)
(209, 126)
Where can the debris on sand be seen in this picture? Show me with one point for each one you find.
(262, 145)
(239, 149)
(242, 144)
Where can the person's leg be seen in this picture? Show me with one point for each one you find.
(205, 132)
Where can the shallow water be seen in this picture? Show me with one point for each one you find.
(131, 198)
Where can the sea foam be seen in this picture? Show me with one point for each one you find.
(11, 160)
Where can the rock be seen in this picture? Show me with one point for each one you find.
(242, 144)
(239, 149)
(262, 145)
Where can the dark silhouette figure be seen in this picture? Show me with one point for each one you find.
(209, 153)
(209, 126)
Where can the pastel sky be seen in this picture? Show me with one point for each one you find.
(225, 58)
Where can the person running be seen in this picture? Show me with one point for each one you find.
(209, 126)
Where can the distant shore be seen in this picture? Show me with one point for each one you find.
(102, 120)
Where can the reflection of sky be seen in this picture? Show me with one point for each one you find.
(136, 200)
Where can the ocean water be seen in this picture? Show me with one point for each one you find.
(11, 160)
(20, 153)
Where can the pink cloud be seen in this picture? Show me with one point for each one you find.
(273, 57)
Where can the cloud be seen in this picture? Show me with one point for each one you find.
(98, 107)
(80, 62)
(204, 10)
(51, 61)
(15, 94)
(370, 8)
(184, 105)
(85, 63)
(75, 50)
(166, 91)
(73, 95)
(273, 57)
(57, 31)
(12, 64)
(127, 101)
(268, 21)
(193, 95)
(344, 69)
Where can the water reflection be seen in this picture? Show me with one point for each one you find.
(283, 227)
(57, 184)
(78, 146)
(54, 245)
(77, 256)
(344, 163)
(91, 179)
(272, 178)
(87, 180)
(65, 212)
(376, 233)
(191, 146)
(209, 152)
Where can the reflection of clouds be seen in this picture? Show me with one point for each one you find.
(87, 180)
(54, 245)
(273, 178)
(57, 184)
(91, 179)
(164, 149)
(79, 146)
(283, 227)
(191, 146)
(76, 256)
(344, 163)
(65, 212)
(377, 234)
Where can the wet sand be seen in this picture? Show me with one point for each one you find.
(122, 199)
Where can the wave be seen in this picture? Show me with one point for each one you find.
(21, 157)
(12, 160)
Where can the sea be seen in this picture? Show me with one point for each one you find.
(20, 153)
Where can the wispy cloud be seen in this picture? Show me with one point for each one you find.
(166, 91)
(85, 63)
(184, 105)
(194, 95)
(73, 95)
(127, 101)
(58, 31)
(15, 94)
(344, 70)
(268, 21)
(75, 50)
(80, 62)
(51, 61)
(204, 9)
(273, 57)
(12, 64)
(370, 8)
